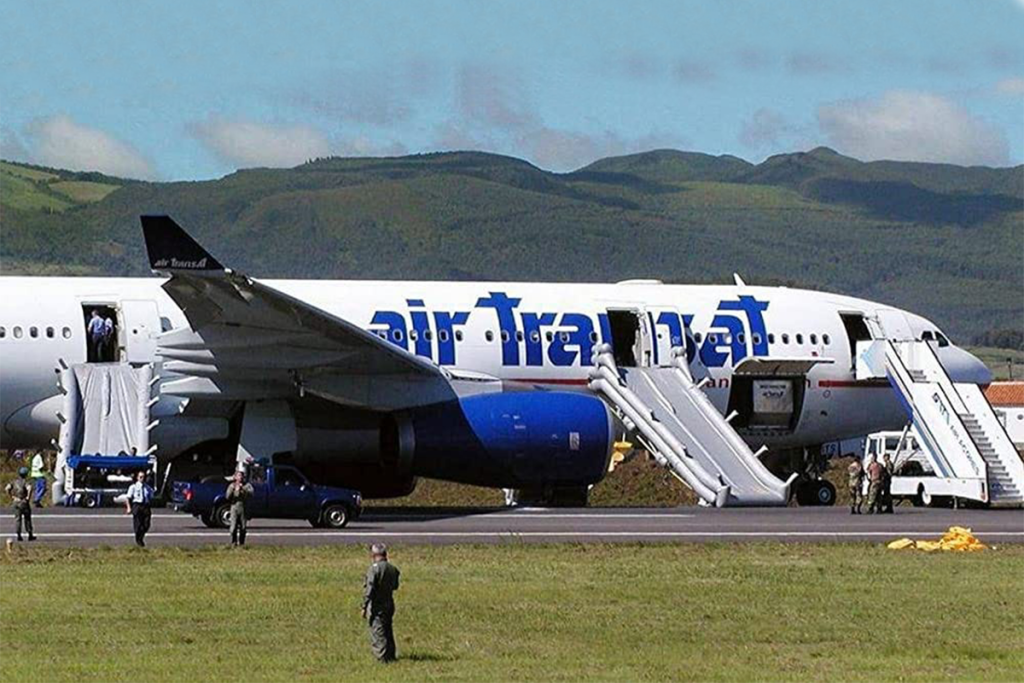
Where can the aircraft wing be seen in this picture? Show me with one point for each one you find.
(247, 340)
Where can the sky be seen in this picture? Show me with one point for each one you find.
(195, 90)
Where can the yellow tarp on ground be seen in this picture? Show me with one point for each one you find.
(958, 539)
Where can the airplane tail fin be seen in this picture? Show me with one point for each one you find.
(171, 248)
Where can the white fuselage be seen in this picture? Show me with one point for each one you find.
(525, 334)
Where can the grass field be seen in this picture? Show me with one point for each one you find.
(515, 612)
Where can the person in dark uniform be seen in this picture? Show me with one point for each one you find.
(19, 491)
(379, 603)
(888, 469)
(139, 503)
(237, 495)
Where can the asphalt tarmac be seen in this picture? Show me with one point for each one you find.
(110, 526)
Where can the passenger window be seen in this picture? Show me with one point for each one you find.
(814, 339)
(593, 337)
(564, 336)
(550, 336)
(756, 338)
(3, 332)
(413, 335)
(825, 338)
(17, 332)
(535, 336)
(66, 332)
(698, 337)
(785, 338)
(382, 334)
(443, 335)
(771, 337)
(428, 335)
(33, 332)
(799, 338)
(713, 338)
(504, 336)
(396, 335)
(519, 335)
(741, 338)
(458, 335)
(49, 333)
(489, 336)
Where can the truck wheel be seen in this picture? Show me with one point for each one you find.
(207, 521)
(222, 516)
(335, 516)
(818, 492)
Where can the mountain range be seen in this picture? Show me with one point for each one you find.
(943, 240)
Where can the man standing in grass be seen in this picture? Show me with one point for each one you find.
(19, 491)
(379, 603)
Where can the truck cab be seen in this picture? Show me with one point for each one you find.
(279, 492)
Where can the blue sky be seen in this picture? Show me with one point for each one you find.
(192, 90)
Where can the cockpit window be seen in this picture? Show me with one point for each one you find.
(927, 336)
(941, 338)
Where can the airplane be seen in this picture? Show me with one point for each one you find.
(374, 384)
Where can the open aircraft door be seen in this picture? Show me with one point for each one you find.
(664, 332)
(140, 324)
(889, 323)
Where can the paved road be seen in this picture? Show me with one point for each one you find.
(817, 525)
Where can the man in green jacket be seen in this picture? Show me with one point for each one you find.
(238, 494)
(379, 603)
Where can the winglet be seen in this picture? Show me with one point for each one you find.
(171, 248)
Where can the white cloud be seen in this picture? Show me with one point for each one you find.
(1011, 86)
(61, 142)
(245, 144)
(912, 126)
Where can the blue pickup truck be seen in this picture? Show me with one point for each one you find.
(279, 492)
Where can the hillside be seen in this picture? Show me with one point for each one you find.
(942, 240)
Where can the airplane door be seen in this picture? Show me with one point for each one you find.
(666, 331)
(891, 324)
(140, 324)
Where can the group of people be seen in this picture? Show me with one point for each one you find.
(102, 342)
(879, 478)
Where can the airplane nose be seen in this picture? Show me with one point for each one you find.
(964, 367)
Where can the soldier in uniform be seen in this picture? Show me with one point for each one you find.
(887, 471)
(20, 491)
(875, 472)
(379, 604)
(855, 482)
(237, 495)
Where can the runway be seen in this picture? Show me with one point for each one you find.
(62, 527)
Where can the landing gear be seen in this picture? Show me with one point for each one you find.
(817, 492)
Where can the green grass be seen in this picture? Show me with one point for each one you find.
(83, 191)
(25, 172)
(515, 612)
(18, 191)
(1000, 361)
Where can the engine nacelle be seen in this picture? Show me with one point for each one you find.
(509, 440)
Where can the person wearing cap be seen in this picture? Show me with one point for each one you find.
(19, 491)
(379, 603)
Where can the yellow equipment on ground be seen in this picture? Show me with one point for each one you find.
(957, 539)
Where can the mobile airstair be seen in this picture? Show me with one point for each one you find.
(105, 412)
(684, 431)
(963, 440)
